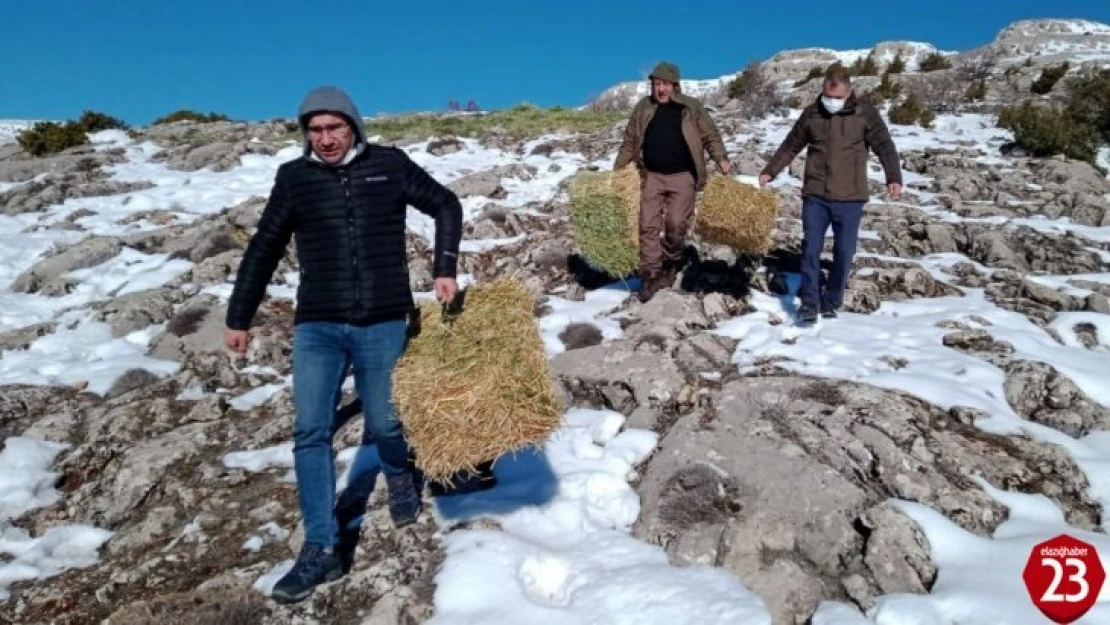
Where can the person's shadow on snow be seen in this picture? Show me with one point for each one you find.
(522, 479)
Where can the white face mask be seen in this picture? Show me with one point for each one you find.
(833, 105)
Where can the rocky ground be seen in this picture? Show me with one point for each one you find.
(782, 478)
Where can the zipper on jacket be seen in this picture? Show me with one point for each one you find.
(345, 181)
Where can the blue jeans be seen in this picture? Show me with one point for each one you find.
(817, 215)
(322, 355)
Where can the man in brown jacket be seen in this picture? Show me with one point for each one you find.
(838, 129)
(666, 138)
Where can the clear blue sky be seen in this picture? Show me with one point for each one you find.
(254, 59)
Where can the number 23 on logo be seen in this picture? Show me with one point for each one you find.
(1064, 577)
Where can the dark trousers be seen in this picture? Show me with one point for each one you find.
(817, 215)
(667, 207)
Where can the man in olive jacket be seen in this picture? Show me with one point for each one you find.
(666, 138)
(838, 129)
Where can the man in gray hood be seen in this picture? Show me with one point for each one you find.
(346, 200)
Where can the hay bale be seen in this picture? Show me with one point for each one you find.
(475, 385)
(605, 213)
(738, 215)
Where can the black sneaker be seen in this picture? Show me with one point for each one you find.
(807, 312)
(315, 565)
(828, 313)
(404, 499)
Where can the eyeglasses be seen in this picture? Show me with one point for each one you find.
(336, 130)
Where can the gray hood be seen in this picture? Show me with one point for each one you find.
(329, 99)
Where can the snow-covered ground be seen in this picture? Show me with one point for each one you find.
(27, 483)
(570, 557)
(10, 129)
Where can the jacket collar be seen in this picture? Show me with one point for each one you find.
(357, 151)
(849, 105)
(677, 97)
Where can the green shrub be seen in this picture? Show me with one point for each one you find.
(1048, 78)
(748, 79)
(976, 91)
(191, 116)
(898, 65)
(92, 121)
(934, 62)
(814, 72)
(1075, 129)
(911, 111)
(887, 90)
(865, 66)
(926, 118)
(51, 137)
(1047, 131)
(1089, 101)
(757, 94)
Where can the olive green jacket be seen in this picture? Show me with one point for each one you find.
(698, 128)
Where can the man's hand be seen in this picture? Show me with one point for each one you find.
(724, 166)
(894, 190)
(236, 341)
(764, 180)
(446, 289)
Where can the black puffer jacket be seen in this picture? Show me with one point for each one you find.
(349, 223)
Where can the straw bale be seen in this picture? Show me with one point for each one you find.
(475, 384)
(605, 211)
(738, 215)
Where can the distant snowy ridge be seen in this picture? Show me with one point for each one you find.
(1053, 41)
(1044, 41)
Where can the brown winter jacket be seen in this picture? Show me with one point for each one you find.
(836, 162)
(697, 126)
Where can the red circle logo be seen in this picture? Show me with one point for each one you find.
(1064, 577)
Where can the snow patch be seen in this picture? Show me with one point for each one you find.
(26, 484)
(569, 558)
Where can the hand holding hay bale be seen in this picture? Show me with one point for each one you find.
(738, 215)
(474, 385)
(605, 212)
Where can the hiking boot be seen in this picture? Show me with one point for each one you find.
(315, 565)
(807, 312)
(404, 499)
(651, 285)
(828, 313)
(670, 273)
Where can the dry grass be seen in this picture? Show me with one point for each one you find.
(605, 210)
(699, 495)
(738, 215)
(187, 321)
(226, 607)
(476, 385)
(518, 122)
